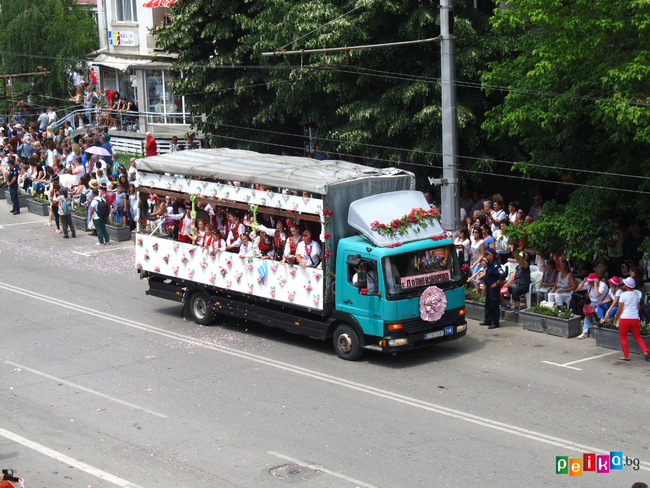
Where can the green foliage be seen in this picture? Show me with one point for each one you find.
(578, 75)
(470, 294)
(551, 312)
(54, 34)
(385, 97)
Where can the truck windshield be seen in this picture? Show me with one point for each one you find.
(409, 273)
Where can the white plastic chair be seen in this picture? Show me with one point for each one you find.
(533, 268)
(535, 279)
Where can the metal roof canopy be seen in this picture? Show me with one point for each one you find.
(246, 167)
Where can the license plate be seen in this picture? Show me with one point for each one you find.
(432, 335)
(449, 330)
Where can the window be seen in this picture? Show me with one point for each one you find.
(163, 106)
(408, 274)
(126, 10)
(370, 269)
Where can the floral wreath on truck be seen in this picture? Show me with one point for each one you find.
(417, 219)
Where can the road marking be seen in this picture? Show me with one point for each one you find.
(370, 390)
(111, 248)
(68, 460)
(567, 365)
(21, 223)
(320, 468)
(83, 388)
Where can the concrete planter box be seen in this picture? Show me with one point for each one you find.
(79, 222)
(118, 233)
(38, 208)
(22, 198)
(610, 338)
(550, 325)
(475, 311)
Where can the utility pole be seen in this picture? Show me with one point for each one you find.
(450, 212)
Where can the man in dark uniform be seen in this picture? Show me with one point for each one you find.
(13, 185)
(493, 275)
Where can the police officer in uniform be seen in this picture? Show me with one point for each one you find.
(13, 185)
(493, 275)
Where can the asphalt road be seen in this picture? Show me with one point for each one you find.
(104, 386)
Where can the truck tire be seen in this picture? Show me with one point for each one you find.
(347, 343)
(200, 308)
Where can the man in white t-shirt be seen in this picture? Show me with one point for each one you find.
(51, 116)
(371, 279)
(308, 251)
(498, 215)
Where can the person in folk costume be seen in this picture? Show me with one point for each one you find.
(218, 218)
(291, 245)
(245, 246)
(279, 238)
(213, 241)
(234, 230)
(186, 229)
(199, 236)
(262, 245)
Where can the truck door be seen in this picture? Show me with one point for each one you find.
(364, 304)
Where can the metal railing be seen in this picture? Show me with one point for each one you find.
(127, 121)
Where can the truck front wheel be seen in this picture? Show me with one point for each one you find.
(200, 308)
(347, 343)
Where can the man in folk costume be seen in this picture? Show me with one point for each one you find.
(263, 246)
(308, 251)
(186, 229)
(234, 230)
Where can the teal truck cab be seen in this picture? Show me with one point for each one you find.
(387, 279)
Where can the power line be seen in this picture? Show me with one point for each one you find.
(440, 167)
(431, 153)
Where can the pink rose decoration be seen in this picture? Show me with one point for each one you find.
(155, 246)
(294, 207)
(250, 288)
(432, 304)
(228, 285)
(184, 259)
(282, 281)
(157, 269)
(273, 291)
(308, 286)
(203, 264)
(292, 271)
(139, 241)
(222, 271)
(191, 274)
(317, 276)
(175, 270)
(305, 200)
(213, 277)
(213, 255)
(229, 262)
(146, 256)
(316, 299)
(292, 295)
(191, 251)
(138, 265)
(175, 247)
(250, 266)
(238, 276)
(274, 266)
(166, 259)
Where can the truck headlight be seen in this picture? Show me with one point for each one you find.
(398, 342)
(461, 328)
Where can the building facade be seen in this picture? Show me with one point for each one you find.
(129, 63)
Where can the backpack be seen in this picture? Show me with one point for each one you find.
(102, 209)
(65, 207)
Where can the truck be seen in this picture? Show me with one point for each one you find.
(388, 280)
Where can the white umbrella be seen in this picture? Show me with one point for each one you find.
(100, 151)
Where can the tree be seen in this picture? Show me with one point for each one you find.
(577, 95)
(380, 104)
(56, 35)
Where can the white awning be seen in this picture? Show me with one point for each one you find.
(124, 63)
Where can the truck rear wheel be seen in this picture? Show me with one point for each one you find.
(347, 343)
(200, 308)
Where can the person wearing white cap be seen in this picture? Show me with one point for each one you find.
(628, 313)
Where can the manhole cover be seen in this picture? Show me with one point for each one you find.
(291, 472)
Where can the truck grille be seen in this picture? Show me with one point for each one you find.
(415, 325)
